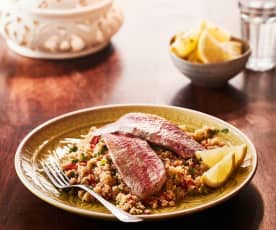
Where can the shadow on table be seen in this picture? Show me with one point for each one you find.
(214, 101)
(243, 211)
(16, 65)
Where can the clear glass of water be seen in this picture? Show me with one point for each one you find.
(258, 27)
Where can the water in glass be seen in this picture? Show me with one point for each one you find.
(258, 26)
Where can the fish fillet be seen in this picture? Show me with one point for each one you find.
(139, 166)
(156, 130)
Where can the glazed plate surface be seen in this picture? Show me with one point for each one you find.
(46, 139)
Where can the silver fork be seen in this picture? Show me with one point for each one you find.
(61, 181)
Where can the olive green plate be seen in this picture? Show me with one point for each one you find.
(45, 140)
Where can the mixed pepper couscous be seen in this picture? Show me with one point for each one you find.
(89, 162)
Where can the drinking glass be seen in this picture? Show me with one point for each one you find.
(258, 26)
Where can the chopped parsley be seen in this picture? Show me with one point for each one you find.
(83, 157)
(192, 193)
(74, 161)
(225, 130)
(72, 174)
(192, 171)
(73, 149)
(99, 149)
(213, 132)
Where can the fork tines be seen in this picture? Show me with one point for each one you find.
(54, 172)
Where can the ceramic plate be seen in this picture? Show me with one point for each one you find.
(45, 140)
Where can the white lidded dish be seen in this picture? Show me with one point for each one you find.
(57, 29)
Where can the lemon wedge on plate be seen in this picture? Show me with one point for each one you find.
(210, 157)
(220, 172)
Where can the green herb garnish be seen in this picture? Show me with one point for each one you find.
(73, 149)
(75, 161)
(225, 130)
(72, 174)
(192, 171)
(213, 132)
(83, 157)
(192, 193)
(99, 149)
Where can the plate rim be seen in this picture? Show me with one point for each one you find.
(91, 213)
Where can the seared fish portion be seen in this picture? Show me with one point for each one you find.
(139, 166)
(156, 130)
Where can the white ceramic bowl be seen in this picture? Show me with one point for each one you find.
(214, 74)
(56, 29)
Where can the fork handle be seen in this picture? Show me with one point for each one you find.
(119, 213)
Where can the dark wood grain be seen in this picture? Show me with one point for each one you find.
(136, 68)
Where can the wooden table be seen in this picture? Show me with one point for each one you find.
(136, 68)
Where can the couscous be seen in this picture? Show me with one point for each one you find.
(90, 163)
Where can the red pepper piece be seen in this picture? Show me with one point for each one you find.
(70, 166)
(94, 141)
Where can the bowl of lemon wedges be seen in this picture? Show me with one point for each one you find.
(208, 55)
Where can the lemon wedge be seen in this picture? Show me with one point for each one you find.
(220, 172)
(217, 33)
(210, 157)
(211, 51)
(185, 43)
(234, 47)
(193, 57)
(205, 43)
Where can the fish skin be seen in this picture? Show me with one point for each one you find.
(139, 166)
(155, 129)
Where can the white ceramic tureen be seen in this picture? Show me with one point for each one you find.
(59, 28)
